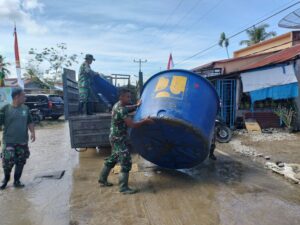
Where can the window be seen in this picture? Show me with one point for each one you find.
(31, 98)
(55, 98)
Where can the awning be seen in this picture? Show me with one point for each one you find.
(277, 92)
(268, 77)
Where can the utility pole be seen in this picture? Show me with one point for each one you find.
(141, 82)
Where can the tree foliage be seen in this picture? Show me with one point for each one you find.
(224, 42)
(4, 66)
(55, 59)
(257, 34)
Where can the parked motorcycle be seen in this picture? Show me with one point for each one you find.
(36, 115)
(222, 131)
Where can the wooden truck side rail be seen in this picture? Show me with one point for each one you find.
(85, 131)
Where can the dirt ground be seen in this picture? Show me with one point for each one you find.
(233, 190)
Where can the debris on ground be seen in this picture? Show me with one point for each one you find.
(52, 175)
(134, 169)
(289, 171)
(275, 136)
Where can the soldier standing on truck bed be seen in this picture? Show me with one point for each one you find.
(119, 142)
(85, 86)
(16, 120)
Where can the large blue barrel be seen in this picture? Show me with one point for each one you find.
(104, 90)
(184, 106)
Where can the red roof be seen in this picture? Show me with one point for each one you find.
(279, 57)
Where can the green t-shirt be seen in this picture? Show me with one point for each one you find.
(15, 121)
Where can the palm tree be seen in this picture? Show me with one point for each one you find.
(3, 70)
(224, 42)
(257, 34)
(3, 66)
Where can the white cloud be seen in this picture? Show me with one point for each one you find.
(32, 4)
(20, 12)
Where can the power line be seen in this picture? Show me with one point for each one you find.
(168, 17)
(199, 19)
(261, 17)
(184, 16)
(238, 33)
(178, 22)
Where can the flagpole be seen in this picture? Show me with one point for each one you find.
(17, 58)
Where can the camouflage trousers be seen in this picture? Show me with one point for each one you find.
(14, 154)
(83, 94)
(120, 154)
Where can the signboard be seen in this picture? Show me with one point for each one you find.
(11, 82)
(5, 96)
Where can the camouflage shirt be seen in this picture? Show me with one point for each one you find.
(118, 128)
(84, 76)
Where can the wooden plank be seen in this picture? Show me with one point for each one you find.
(253, 126)
(71, 95)
(90, 131)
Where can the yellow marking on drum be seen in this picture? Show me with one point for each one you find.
(178, 84)
(162, 94)
(162, 84)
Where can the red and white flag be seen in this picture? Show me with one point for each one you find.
(170, 62)
(17, 58)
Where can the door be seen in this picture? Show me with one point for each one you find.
(226, 89)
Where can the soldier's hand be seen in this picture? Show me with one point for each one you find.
(139, 102)
(149, 121)
(32, 137)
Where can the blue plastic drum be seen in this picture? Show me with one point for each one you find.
(184, 106)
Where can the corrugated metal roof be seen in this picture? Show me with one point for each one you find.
(279, 57)
(234, 65)
(231, 60)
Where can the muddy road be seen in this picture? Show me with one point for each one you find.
(232, 190)
(42, 201)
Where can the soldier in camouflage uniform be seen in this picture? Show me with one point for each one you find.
(119, 142)
(16, 120)
(84, 84)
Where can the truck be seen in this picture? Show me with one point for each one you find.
(90, 131)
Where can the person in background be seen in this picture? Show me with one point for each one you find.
(16, 121)
(212, 148)
(119, 142)
(85, 86)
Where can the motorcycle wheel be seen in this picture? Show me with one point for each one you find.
(223, 134)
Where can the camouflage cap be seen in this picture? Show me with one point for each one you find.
(90, 57)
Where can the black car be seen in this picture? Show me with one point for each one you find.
(49, 105)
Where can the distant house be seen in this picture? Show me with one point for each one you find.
(257, 80)
(35, 86)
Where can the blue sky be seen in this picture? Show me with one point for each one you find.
(118, 31)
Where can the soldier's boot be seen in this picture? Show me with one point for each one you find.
(81, 108)
(212, 156)
(89, 108)
(5, 180)
(103, 177)
(17, 176)
(123, 184)
(212, 152)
